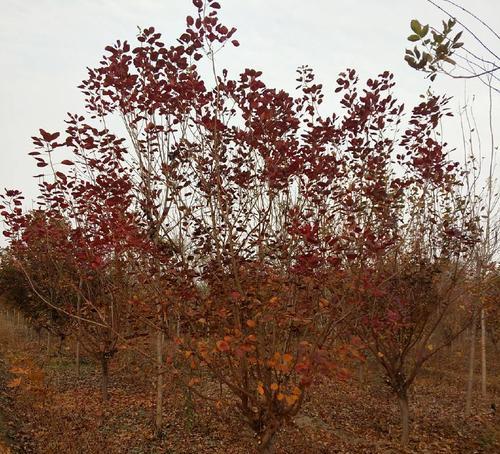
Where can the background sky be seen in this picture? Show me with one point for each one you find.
(46, 45)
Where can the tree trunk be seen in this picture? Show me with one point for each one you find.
(483, 352)
(267, 438)
(48, 343)
(104, 377)
(61, 344)
(405, 419)
(78, 331)
(472, 354)
(77, 358)
(159, 381)
(361, 373)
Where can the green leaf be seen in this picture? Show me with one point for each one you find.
(438, 39)
(424, 31)
(410, 61)
(413, 38)
(416, 27)
(457, 37)
(421, 64)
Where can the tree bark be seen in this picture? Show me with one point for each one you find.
(159, 381)
(472, 354)
(267, 438)
(48, 343)
(362, 373)
(78, 331)
(61, 344)
(483, 352)
(405, 418)
(104, 378)
(77, 358)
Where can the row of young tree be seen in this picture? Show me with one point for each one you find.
(267, 242)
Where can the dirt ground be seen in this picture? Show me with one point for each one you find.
(45, 408)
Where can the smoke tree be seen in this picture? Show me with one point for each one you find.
(251, 224)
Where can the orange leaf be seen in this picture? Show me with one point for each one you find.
(323, 303)
(287, 357)
(260, 389)
(251, 323)
(274, 386)
(296, 391)
(223, 346)
(18, 370)
(14, 383)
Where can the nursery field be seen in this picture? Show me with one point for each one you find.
(53, 411)
(207, 257)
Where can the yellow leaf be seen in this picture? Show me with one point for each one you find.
(430, 347)
(280, 396)
(14, 383)
(380, 354)
(291, 399)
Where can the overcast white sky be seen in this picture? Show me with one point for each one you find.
(45, 46)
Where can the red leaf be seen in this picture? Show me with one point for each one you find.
(67, 162)
(48, 137)
(190, 21)
(53, 136)
(45, 135)
(235, 43)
